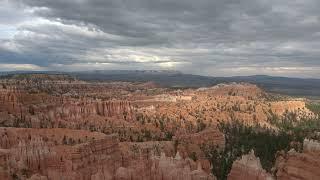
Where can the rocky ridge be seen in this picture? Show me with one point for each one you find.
(248, 167)
(304, 165)
(99, 157)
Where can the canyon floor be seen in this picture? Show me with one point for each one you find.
(55, 127)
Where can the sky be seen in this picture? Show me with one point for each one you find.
(206, 37)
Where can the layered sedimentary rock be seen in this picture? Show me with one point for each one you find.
(11, 137)
(235, 89)
(190, 144)
(248, 167)
(9, 103)
(37, 158)
(40, 154)
(177, 168)
(302, 166)
(170, 123)
(310, 145)
(4, 174)
(75, 109)
(21, 109)
(298, 107)
(84, 161)
(244, 102)
(209, 136)
(32, 156)
(131, 150)
(163, 168)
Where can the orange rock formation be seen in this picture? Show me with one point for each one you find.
(248, 167)
(304, 166)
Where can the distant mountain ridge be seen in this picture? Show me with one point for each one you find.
(167, 78)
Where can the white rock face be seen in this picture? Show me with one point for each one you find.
(311, 145)
(251, 161)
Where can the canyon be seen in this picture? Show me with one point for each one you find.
(58, 127)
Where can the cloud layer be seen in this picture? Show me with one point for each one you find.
(209, 37)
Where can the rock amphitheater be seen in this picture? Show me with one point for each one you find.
(114, 131)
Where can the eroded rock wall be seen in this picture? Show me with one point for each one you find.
(302, 166)
(248, 167)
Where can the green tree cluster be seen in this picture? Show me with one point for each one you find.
(240, 139)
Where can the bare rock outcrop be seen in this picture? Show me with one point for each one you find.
(178, 168)
(190, 145)
(19, 108)
(11, 137)
(248, 167)
(302, 166)
(41, 154)
(85, 160)
(9, 99)
(310, 145)
(32, 156)
(45, 154)
(163, 168)
(297, 107)
(37, 177)
(211, 135)
(235, 89)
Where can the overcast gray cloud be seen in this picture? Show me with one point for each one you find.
(209, 37)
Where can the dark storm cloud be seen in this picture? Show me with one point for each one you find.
(212, 37)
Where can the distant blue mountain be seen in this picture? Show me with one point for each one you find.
(285, 85)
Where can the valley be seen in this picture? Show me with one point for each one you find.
(62, 127)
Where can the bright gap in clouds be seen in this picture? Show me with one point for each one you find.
(21, 67)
